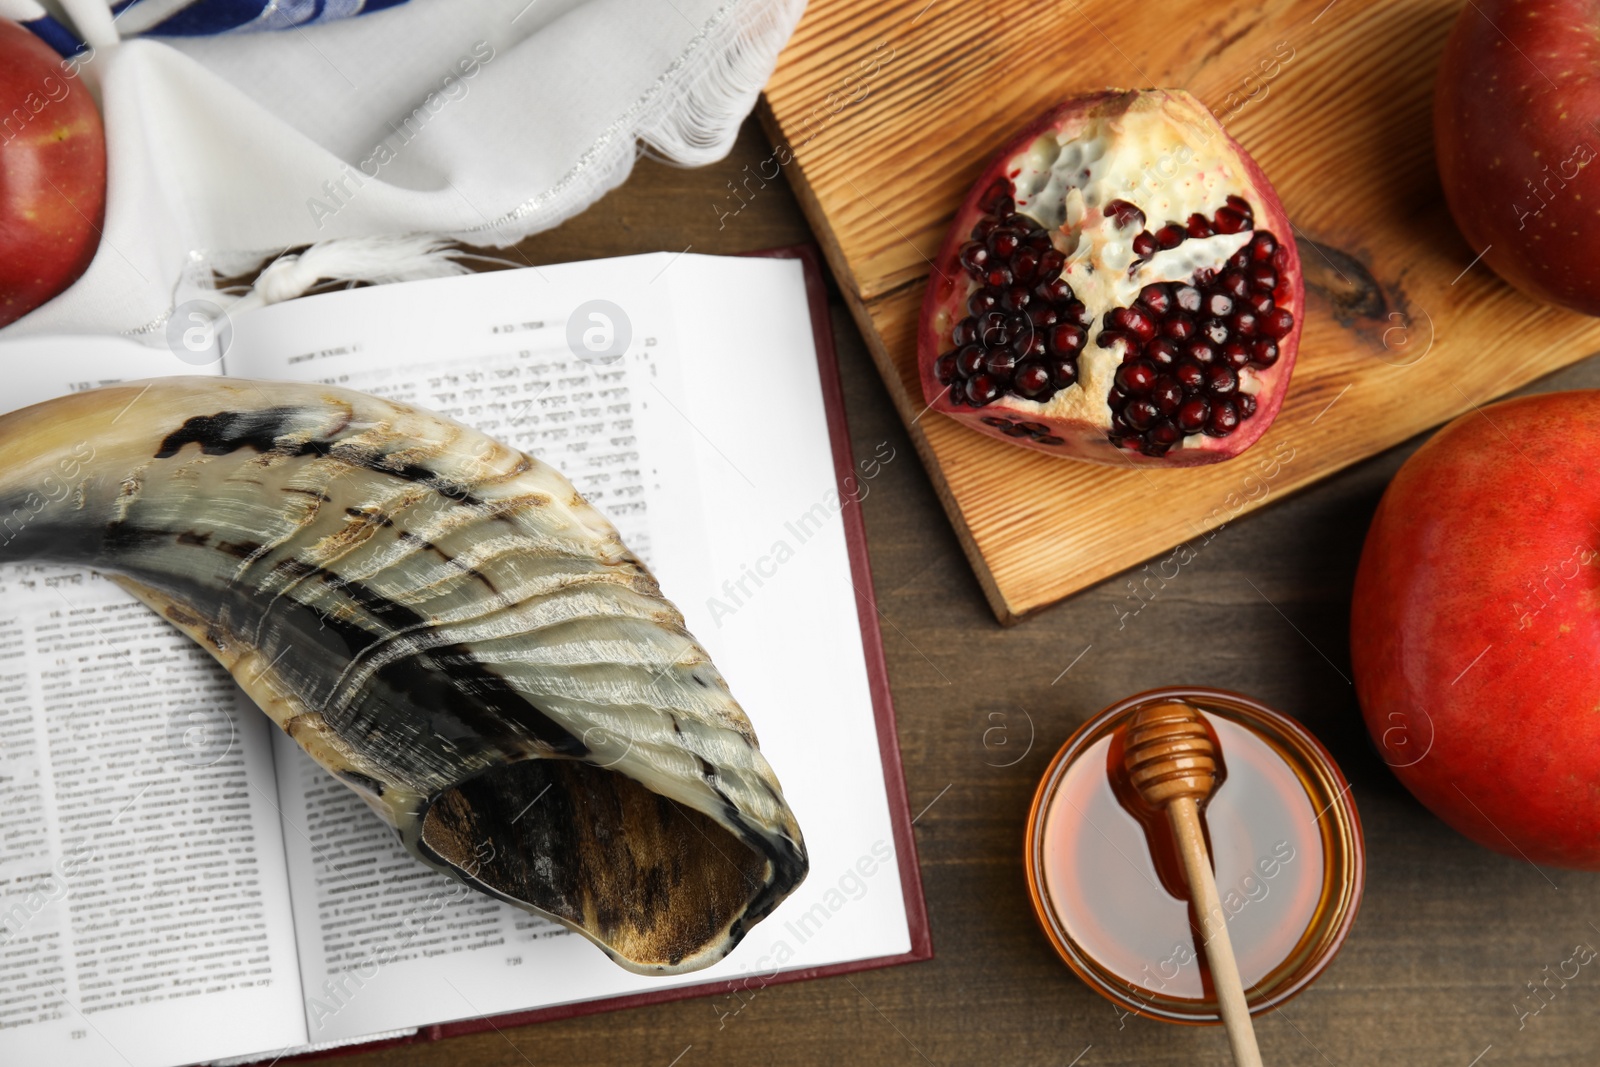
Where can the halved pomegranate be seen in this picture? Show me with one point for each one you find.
(1121, 285)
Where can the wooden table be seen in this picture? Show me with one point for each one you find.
(1449, 933)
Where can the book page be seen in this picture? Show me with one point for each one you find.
(384, 941)
(778, 613)
(144, 912)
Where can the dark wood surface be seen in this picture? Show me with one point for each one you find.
(1449, 935)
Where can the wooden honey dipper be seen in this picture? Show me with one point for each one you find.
(1171, 762)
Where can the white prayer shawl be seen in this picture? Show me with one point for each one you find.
(479, 120)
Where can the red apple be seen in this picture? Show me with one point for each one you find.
(1475, 630)
(52, 174)
(1513, 127)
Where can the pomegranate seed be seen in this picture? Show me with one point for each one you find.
(1000, 364)
(1192, 414)
(982, 390)
(1241, 205)
(1144, 245)
(945, 368)
(1187, 297)
(1034, 427)
(1064, 340)
(1157, 298)
(1200, 352)
(1163, 435)
(1243, 323)
(1015, 298)
(1277, 323)
(1051, 439)
(1161, 352)
(1191, 376)
(984, 228)
(1263, 278)
(1003, 242)
(997, 198)
(997, 277)
(1171, 235)
(992, 329)
(1240, 258)
(1108, 338)
(1074, 311)
(1228, 220)
(1136, 377)
(1025, 265)
(1178, 328)
(1125, 213)
(1166, 394)
(995, 421)
(1261, 303)
(969, 360)
(1031, 379)
(1023, 224)
(1235, 355)
(1262, 245)
(1280, 259)
(1134, 321)
(974, 256)
(1220, 380)
(1013, 430)
(1050, 263)
(1141, 414)
(1198, 226)
(1042, 316)
(1224, 419)
(1217, 304)
(965, 332)
(981, 300)
(1063, 373)
(1216, 331)
(1247, 405)
(1264, 353)
(1028, 344)
(1235, 283)
(1055, 291)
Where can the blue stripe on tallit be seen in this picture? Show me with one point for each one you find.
(57, 36)
(203, 18)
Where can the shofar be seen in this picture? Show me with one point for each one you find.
(442, 622)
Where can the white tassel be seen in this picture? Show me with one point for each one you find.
(404, 258)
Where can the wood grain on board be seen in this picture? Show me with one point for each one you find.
(891, 108)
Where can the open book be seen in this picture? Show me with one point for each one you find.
(179, 883)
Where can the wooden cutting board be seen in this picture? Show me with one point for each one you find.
(883, 113)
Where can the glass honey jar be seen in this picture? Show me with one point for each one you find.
(1285, 842)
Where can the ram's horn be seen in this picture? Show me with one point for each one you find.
(442, 622)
